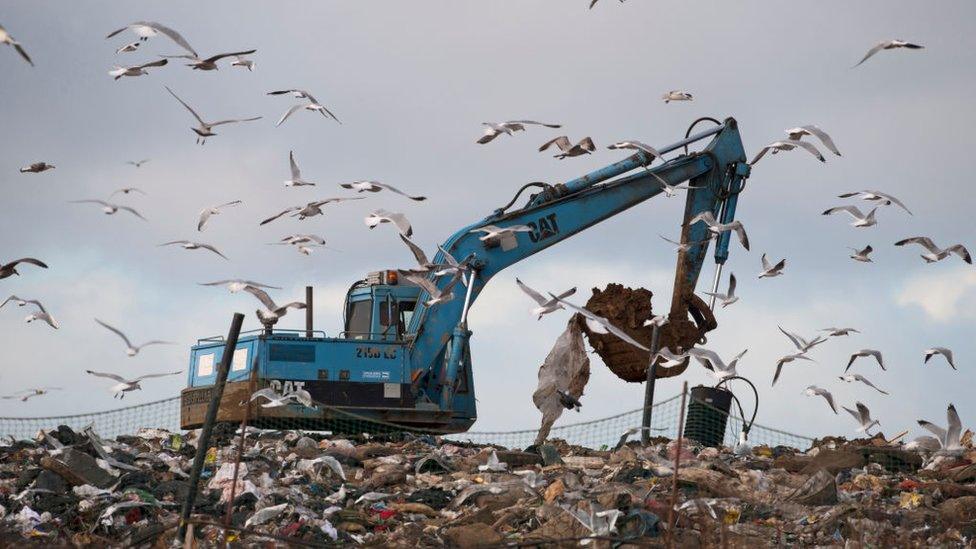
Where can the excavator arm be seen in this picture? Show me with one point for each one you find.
(716, 175)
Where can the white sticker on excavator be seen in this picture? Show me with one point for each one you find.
(391, 390)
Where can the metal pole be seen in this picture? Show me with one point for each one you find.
(715, 283)
(649, 387)
(308, 312)
(204, 440)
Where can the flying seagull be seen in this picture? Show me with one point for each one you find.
(862, 254)
(710, 360)
(132, 350)
(585, 146)
(863, 417)
(929, 353)
(135, 70)
(888, 45)
(189, 245)
(426, 266)
(643, 147)
(376, 186)
(568, 401)
(950, 437)
(128, 48)
(312, 105)
(138, 163)
(546, 305)
(936, 253)
(769, 270)
(685, 246)
(802, 344)
(786, 359)
(670, 359)
(213, 210)
(813, 390)
(435, 295)
(37, 167)
(109, 208)
(836, 332)
(729, 297)
(275, 400)
(235, 285)
(210, 63)
(677, 95)
(876, 196)
(716, 228)
(865, 353)
(241, 61)
(599, 324)
(26, 394)
(593, 3)
(494, 231)
(860, 219)
(311, 209)
(40, 314)
(5, 38)
(272, 311)
(788, 145)
(797, 133)
(205, 129)
(124, 385)
(850, 378)
(148, 29)
(376, 217)
(296, 174)
(127, 190)
(494, 129)
(10, 269)
(303, 242)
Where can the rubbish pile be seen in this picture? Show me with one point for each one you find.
(69, 488)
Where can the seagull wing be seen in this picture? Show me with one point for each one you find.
(762, 152)
(893, 200)
(29, 260)
(853, 413)
(391, 188)
(740, 231)
(212, 249)
(863, 412)
(289, 112)
(11, 298)
(422, 281)
(877, 356)
(586, 144)
(20, 50)
(267, 393)
(830, 398)
(854, 211)
(531, 293)
(865, 381)
(223, 55)
(731, 284)
(810, 148)
(159, 63)
(954, 427)
(878, 47)
(189, 108)
(765, 263)
(170, 33)
(562, 142)
(116, 331)
(401, 223)
(262, 296)
(961, 251)
(934, 429)
(922, 241)
(295, 172)
(416, 250)
(610, 327)
(797, 340)
(707, 358)
(534, 122)
(132, 211)
(276, 216)
(149, 376)
(823, 137)
(120, 379)
(236, 120)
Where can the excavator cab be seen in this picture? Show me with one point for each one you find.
(379, 307)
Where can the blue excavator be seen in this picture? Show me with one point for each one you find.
(405, 360)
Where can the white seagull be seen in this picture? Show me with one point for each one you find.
(710, 360)
(137, 163)
(26, 394)
(929, 353)
(210, 63)
(802, 344)
(40, 314)
(788, 145)
(770, 270)
(124, 385)
(37, 167)
(643, 147)
(677, 95)
(888, 45)
(862, 254)
(599, 324)
(127, 48)
(585, 146)
(376, 186)
(241, 61)
(311, 209)
(494, 231)
(135, 70)
(127, 190)
(716, 228)
(685, 246)
(235, 285)
(10, 269)
(190, 245)
(213, 210)
(936, 253)
(148, 29)
(312, 105)
(109, 208)
(850, 378)
(272, 311)
(296, 174)
(729, 297)
(5, 38)
(435, 295)
(863, 417)
(275, 400)
(494, 129)
(205, 129)
(670, 359)
(797, 133)
(813, 390)
(836, 332)
(376, 217)
(860, 219)
(130, 349)
(950, 437)
(546, 305)
(785, 359)
(865, 353)
(878, 197)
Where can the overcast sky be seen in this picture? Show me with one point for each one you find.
(411, 83)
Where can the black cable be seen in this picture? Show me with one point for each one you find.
(539, 184)
(745, 428)
(695, 123)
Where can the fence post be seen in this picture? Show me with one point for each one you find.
(203, 442)
(649, 387)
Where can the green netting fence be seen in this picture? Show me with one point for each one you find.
(710, 425)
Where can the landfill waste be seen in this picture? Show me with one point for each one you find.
(317, 489)
(567, 369)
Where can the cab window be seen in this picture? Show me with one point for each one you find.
(359, 319)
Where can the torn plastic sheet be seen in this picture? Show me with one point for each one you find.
(566, 368)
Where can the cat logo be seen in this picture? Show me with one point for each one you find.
(544, 228)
